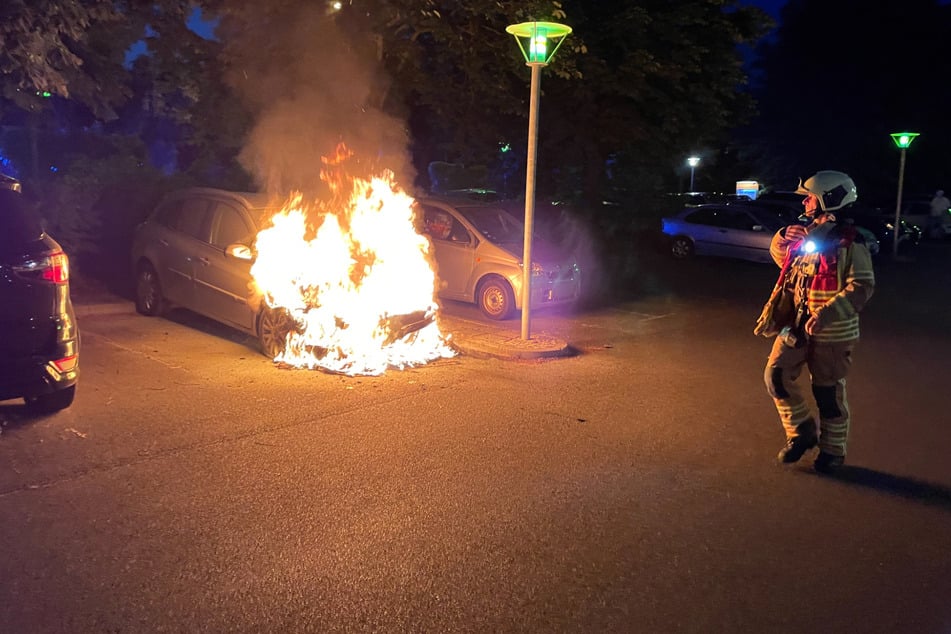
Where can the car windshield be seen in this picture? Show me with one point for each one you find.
(494, 223)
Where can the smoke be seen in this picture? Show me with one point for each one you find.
(312, 87)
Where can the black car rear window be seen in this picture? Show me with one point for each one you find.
(18, 223)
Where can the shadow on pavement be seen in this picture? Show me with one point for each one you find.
(909, 488)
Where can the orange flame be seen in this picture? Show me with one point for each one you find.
(361, 290)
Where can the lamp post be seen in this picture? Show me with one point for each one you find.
(693, 162)
(538, 42)
(902, 140)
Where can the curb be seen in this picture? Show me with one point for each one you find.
(103, 308)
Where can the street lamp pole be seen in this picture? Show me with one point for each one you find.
(693, 161)
(533, 39)
(902, 140)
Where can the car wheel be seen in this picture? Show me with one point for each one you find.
(274, 324)
(681, 248)
(51, 403)
(148, 292)
(495, 298)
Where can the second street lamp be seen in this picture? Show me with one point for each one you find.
(693, 162)
(902, 140)
(538, 42)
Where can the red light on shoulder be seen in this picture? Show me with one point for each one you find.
(66, 363)
(58, 269)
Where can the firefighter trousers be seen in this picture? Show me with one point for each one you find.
(828, 365)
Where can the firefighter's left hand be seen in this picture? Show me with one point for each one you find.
(811, 325)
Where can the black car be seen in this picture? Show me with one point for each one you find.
(39, 337)
(882, 228)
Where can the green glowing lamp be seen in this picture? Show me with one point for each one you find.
(903, 139)
(539, 40)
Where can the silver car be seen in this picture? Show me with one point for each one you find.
(188, 253)
(730, 230)
(478, 251)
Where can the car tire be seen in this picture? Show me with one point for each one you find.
(148, 291)
(52, 402)
(274, 324)
(681, 248)
(495, 298)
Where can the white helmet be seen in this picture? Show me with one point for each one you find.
(833, 189)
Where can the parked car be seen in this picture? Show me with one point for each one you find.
(39, 347)
(870, 220)
(874, 227)
(916, 211)
(735, 230)
(478, 249)
(193, 252)
(793, 200)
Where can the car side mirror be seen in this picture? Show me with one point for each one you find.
(239, 251)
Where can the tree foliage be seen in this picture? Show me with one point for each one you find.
(636, 86)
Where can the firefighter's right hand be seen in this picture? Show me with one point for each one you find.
(794, 233)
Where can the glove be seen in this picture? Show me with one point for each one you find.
(811, 324)
(794, 233)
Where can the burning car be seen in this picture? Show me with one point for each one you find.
(348, 290)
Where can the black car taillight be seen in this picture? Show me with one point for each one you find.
(53, 267)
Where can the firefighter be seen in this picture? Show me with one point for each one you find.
(825, 280)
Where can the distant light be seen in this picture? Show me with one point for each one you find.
(505, 147)
(53, 168)
(336, 6)
(693, 161)
(904, 139)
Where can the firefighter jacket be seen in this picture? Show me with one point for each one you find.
(827, 274)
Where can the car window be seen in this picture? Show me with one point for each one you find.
(229, 226)
(168, 212)
(710, 217)
(739, 220)
(189, 215)
(18, 223)
(496, 224)
(441, 225)
(194, 218)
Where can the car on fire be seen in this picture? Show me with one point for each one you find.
(478, 247)
(192, 252)
(39, 349)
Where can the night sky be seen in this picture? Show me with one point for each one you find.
(771, 7)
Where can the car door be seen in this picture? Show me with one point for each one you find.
(746, 237)
(180, 227)
(223, 282)
(453, 249)
(705, 227)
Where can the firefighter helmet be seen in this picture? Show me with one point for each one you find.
(833, 189)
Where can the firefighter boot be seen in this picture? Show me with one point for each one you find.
(827, 463)
(804, 440)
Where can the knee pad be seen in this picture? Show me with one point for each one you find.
(825, 399)
(774, 383)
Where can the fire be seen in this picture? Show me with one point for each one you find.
(361, 291)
